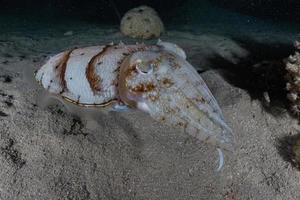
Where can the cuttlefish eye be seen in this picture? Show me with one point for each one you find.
(144, 68)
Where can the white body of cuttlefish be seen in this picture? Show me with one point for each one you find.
(156, 79)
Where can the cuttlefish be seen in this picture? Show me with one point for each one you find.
(156, 79)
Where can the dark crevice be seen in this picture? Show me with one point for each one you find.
(262, 72)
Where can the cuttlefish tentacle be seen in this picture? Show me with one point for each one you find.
(221, 159)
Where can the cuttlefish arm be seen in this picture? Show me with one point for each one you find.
(168, 88)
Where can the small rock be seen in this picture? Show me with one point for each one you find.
(142, 22)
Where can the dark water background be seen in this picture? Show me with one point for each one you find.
(109, 11)
(106, 9)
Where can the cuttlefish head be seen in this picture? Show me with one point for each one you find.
(164, 85)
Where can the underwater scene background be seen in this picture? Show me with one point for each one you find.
(51, 149)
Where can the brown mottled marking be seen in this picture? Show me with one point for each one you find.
(182, 124)
(93, 79)
(200, 99)
(130, 71)
(61, 69)
(167, 82)
(144, 87)
(175, 65)
(153, 97)
(117, 71)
